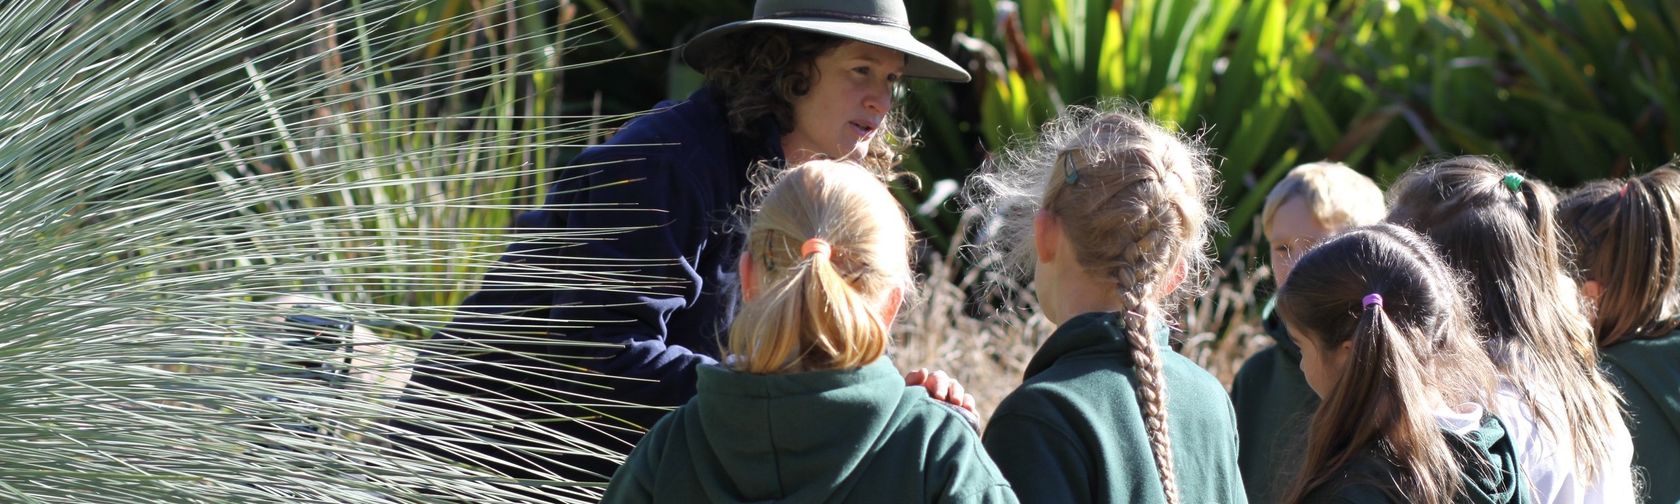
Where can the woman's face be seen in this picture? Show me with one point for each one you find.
(850, 95)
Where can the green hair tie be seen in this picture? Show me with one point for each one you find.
(1070, 172)
(1513, 181)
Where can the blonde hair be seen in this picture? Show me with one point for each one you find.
(1135, 201)
(1337, 196)
(1499, 227)
(821, 310)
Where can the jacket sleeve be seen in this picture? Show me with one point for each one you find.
(1040, 462)
(620, 236)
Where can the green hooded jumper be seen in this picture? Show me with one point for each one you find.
(1368, 478)
(829, 436)
(1074, 431)
(1648, 373)
(1274, 406)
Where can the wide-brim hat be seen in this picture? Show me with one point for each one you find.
(878, 22)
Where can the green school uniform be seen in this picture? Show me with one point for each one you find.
(1074, 432)
(1274, 406)
(1648, 373)
(832, 436)
(1368, 479)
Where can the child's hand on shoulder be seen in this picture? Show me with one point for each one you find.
(941, 387)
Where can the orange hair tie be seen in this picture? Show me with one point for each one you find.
(817, 246)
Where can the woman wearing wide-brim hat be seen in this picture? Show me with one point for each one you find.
(803, 79)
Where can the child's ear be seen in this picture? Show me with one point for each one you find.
(1047, 234)
(1179, 271)
(749, 280)
(1592, 290)
(895, 299)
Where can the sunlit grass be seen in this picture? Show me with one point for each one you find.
(189, 190)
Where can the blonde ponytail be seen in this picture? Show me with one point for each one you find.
(821, 308)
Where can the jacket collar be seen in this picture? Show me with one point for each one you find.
(1273, 325)
(1275, 328)
(1093, 333)
(795, 437)
(764, 143)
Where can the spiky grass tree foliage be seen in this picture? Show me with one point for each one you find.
(224, 224)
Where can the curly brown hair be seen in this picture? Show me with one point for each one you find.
(760, 72)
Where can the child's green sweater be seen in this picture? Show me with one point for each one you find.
(1648, 373)
(1074, 432)
(1370, 478)
(835, 436)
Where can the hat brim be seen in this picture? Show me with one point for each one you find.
(924, 62)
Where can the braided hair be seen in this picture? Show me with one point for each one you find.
(1135, 201)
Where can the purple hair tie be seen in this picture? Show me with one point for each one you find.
(1373, 299)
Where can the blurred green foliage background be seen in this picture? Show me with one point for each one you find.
(1568, 91)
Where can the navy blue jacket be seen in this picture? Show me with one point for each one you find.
(675, 178)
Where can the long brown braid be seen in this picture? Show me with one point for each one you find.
(1134, 201)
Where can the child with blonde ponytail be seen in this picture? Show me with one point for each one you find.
(807, 408)
(1112, 213)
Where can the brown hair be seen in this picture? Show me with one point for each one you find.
(1135, 202)
(1626, 236)
(1413, 346)
(761, 71)
(1498, 227)
(821, 311)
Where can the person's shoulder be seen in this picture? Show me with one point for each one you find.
(1066, 385)
(665, 442)
(1257, 366)
(1029, 423)
(674, 423)
(1633, 362)
(1360, 482)
(1184, 374)
(1644, 349)
(1039, 401)
(672, 120)
(1069, 400)
(945, 432)
(918, 408)
(674, 129)
(1351, 493)
(1198, 397)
